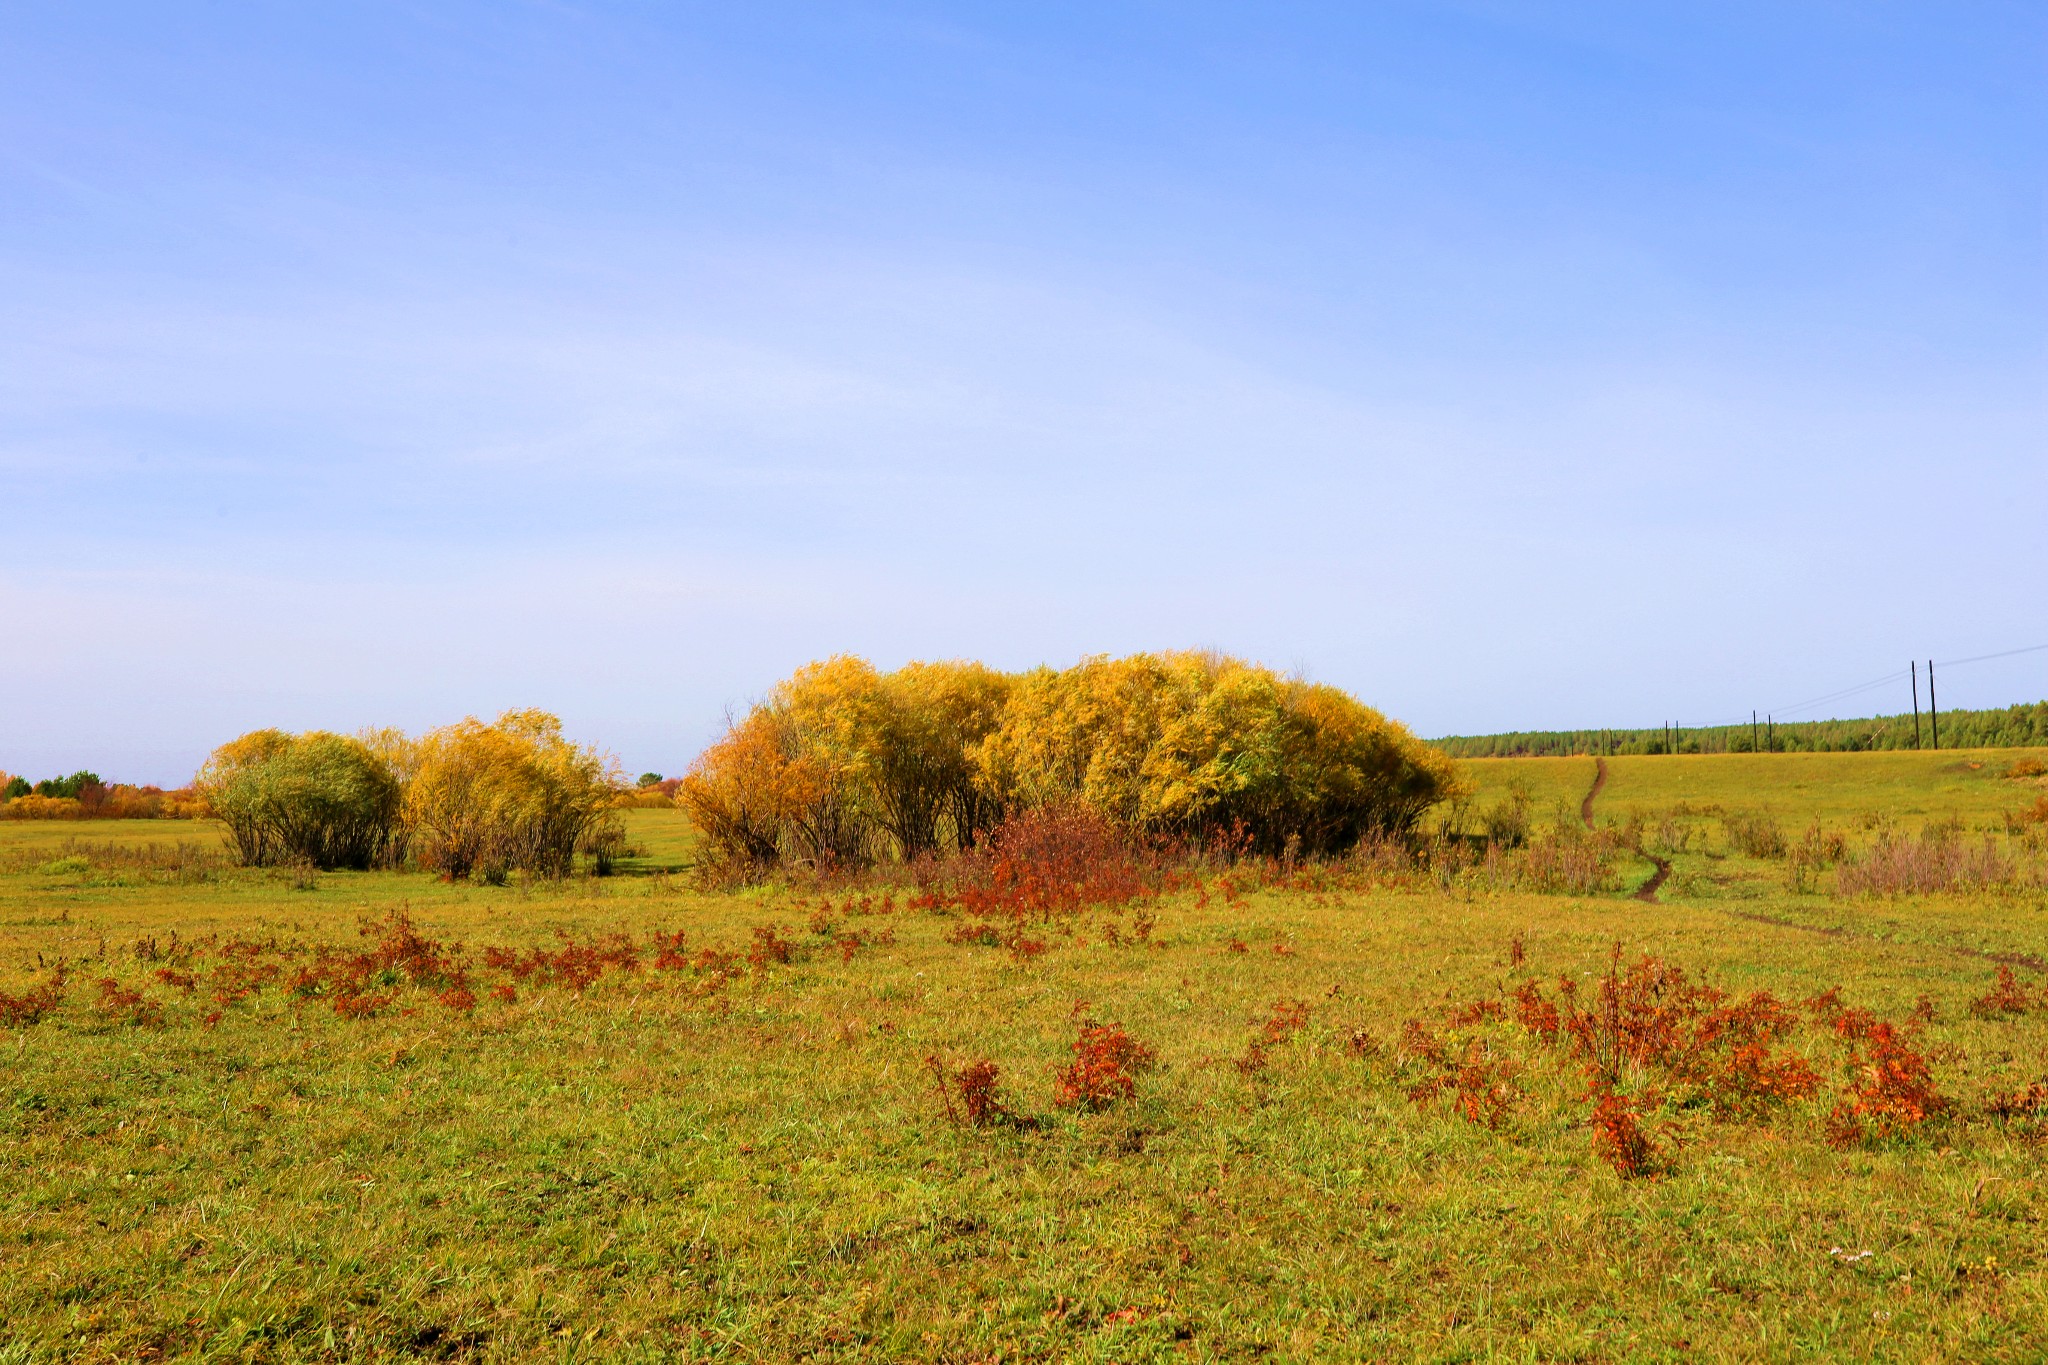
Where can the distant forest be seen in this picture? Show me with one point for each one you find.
(2011, 727)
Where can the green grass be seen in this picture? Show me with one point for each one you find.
(1838, 789)
(763, 1172)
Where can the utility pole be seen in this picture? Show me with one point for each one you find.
(1771, 734)
(1752, 732)
(1933, 711)
(1913, 669)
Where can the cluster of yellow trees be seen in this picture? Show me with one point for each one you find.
(844, 764)
(464, 800)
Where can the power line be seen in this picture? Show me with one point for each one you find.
(2030, 649)
(1847, 692)
(1842, 695)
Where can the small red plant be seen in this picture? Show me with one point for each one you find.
(1419, 1044)
(1891, 1084)
(1535, 1013)
(1286, 1020)
(2006, 997)
(1618, 1135)
(1106, 1063)
(977, 933)
(2019, 1104)
(1045, 863)
(980, 1102)
(670, 951)
(1478, 1011)
(20, 1011)
(118, 1002)
(176, 979)
(1481, 1087)
(361, 1006)
(768, 949)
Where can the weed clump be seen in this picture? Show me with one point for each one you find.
(1651, 1018)
(1479, 1086)
(1104, 1070)
(1891, 1088)
(2007, 997)
(120, 1003)
(1288, 1018)
(2027, 1103)
(972, 1094)
(1618, 1135)
(1755, 834)
(1938, 860)
(21, 1011)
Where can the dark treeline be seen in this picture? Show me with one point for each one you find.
(2009, 727)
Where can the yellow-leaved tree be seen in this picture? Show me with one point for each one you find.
(513, 795)
(844, 763)
(319, 798)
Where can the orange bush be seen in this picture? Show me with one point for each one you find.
(1891, 1087)
(1106, 1063)
(20, 1011)
(1618, 1135)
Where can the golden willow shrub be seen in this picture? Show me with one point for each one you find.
(514, 795)
(844, 764)
(320, 798)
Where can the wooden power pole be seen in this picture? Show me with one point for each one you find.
(1933, 711)
(1913, 669)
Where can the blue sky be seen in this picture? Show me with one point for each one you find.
(1512, 365)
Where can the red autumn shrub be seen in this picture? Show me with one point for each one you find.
(353, 1006)
(2019, 1104)
(1106, 1063)
(171, 976)
(980, 1102)
(1535, 1013)
(1618, 1135)
(768, 948)
(2007, 997)
(1287, 1019)
(1651, 1016)
(1891, 1087)
(118, 1002)
(1480, 1086)
(20, 1011)
(1042, 864)
(670, 952)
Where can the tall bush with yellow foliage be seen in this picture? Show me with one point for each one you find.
(469, 799)
(844, 764)
(318, 798)
(484, 800)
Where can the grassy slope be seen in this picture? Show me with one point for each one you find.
(762, 1173)
(1835, 788)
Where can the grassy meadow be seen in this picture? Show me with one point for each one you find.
(731, 1145)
